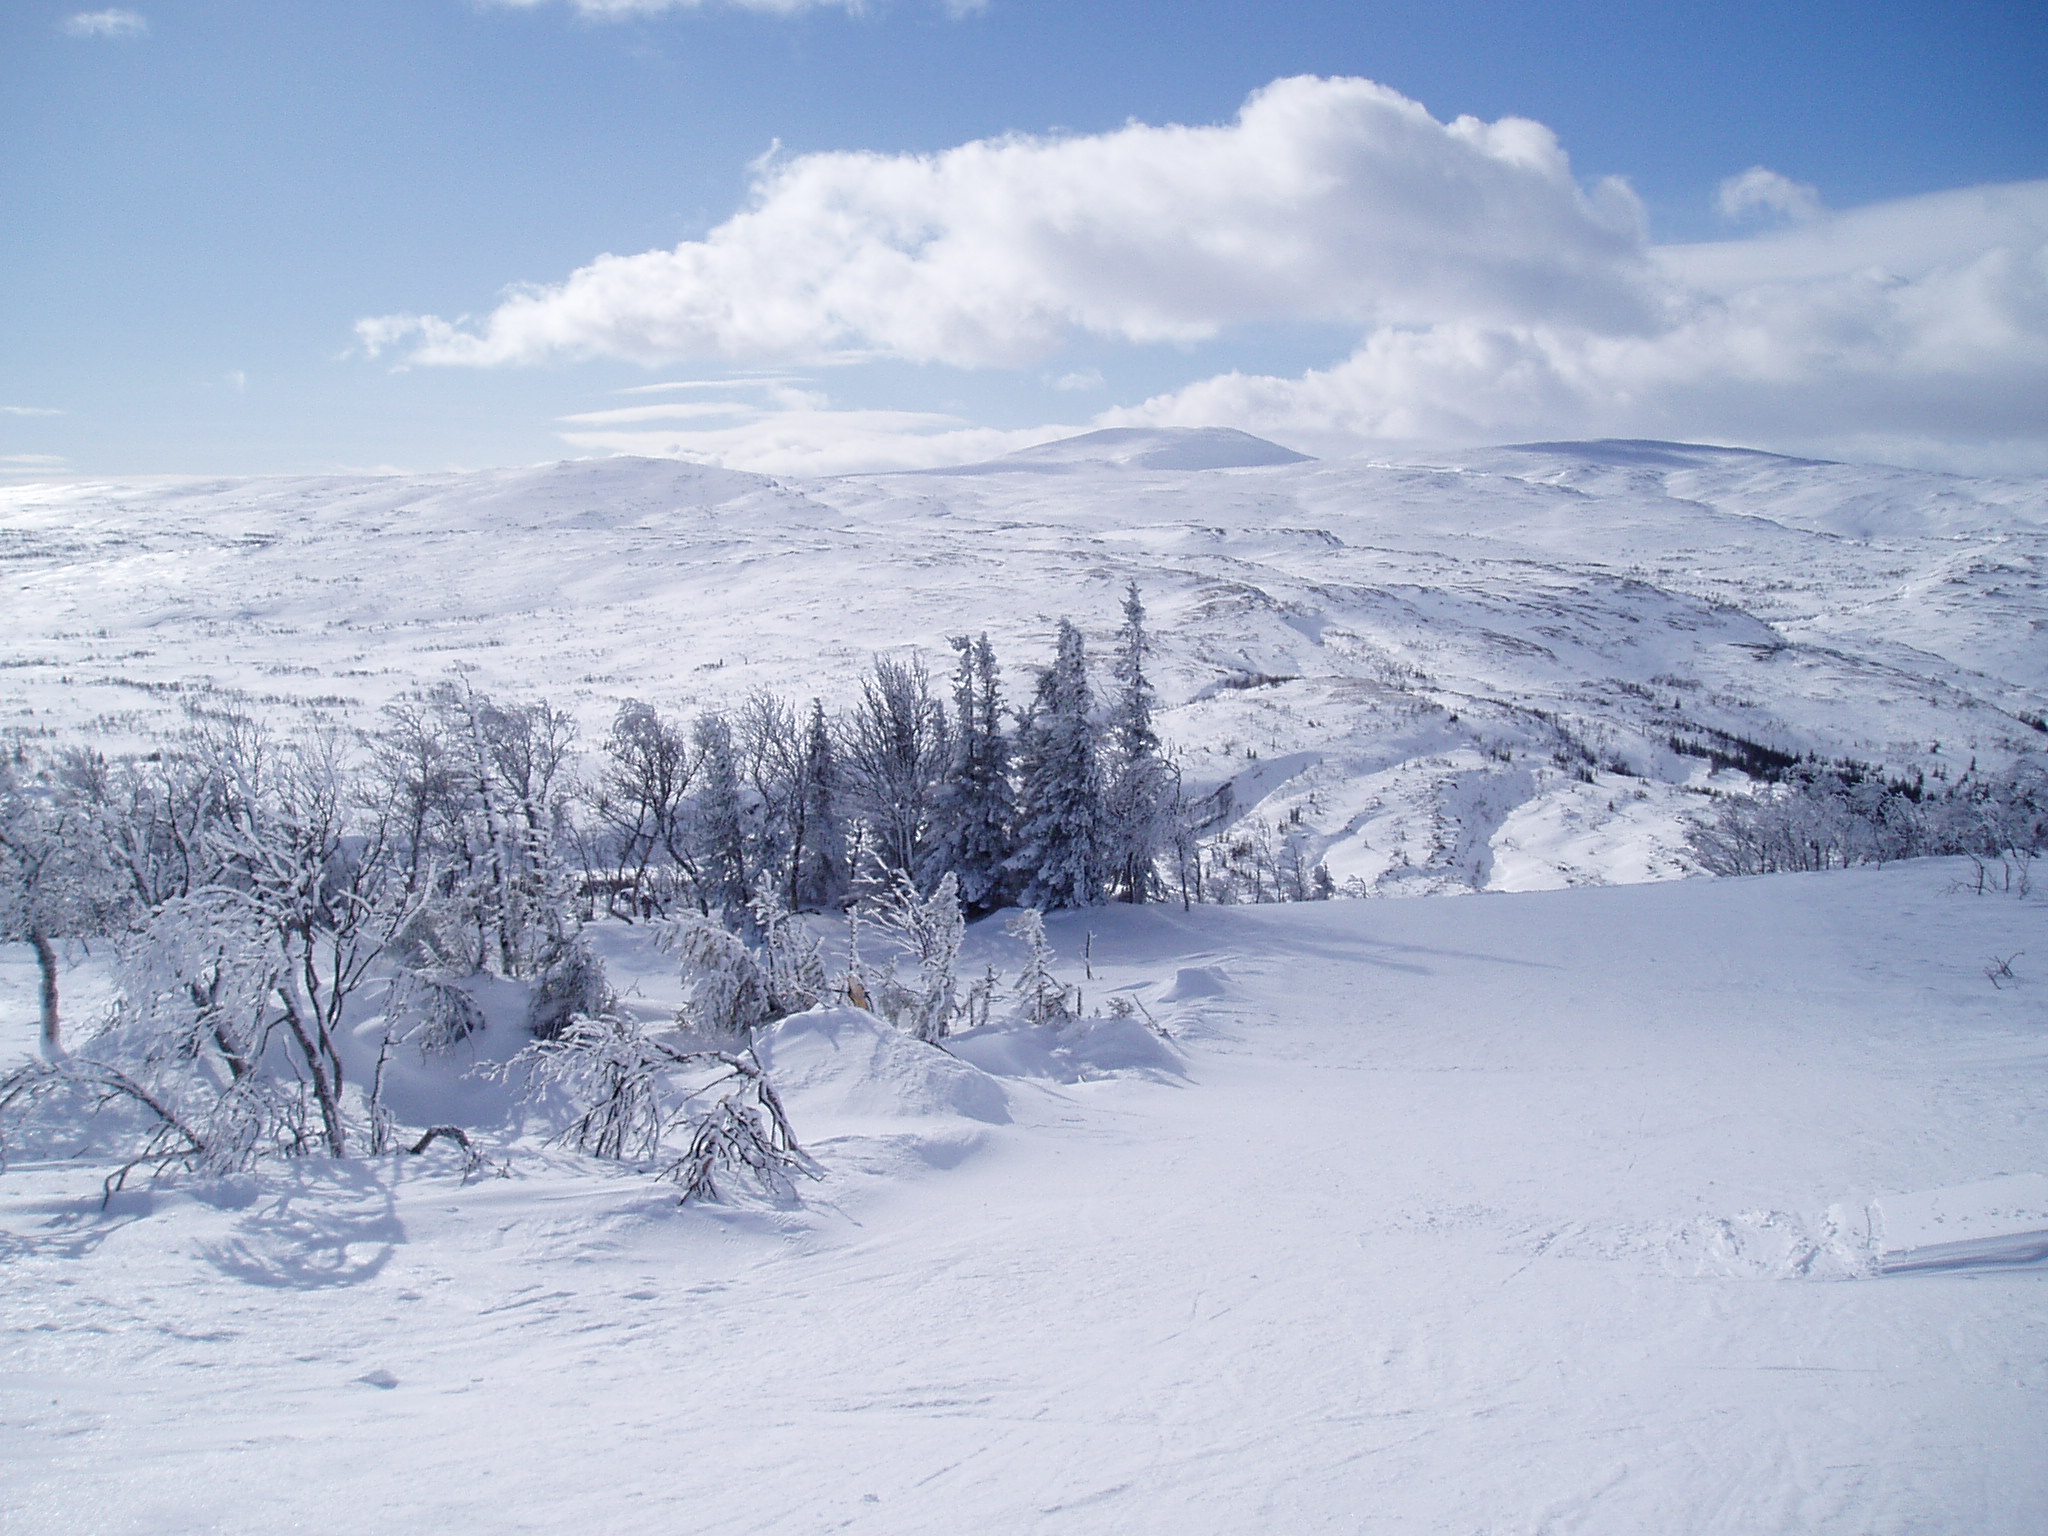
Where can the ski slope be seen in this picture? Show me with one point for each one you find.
(1558, 1211)
(1445, 676)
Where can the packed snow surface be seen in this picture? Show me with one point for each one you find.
(1560, 1211)
(1502, 669)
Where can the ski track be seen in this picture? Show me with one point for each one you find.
(1419, 1242)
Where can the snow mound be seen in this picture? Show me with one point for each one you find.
(1148, 448)
(1995, 1223)
(1191, 983)
(839, 1068)
(1071, 1053)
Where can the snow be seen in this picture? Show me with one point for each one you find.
(1533, 1212)
(835, 1066)
(1994, 1221)
(1607, 1202)
(1359, 650)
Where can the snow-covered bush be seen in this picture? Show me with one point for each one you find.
(572, 983)
(1041, 995)
(928, 932)
(630, 1097)
(431, 1012)
(726, 993)
(1832, 817)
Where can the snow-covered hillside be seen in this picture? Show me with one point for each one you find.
(1566, 1211)
(1448, 675)
(1709, 1205)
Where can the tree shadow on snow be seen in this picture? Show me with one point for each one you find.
(319, 1226)
(76, 1226)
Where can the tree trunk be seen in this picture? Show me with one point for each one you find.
(46, 961)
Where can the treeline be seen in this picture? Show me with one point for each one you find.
(1832, 816)
(257, 878)
(1064, 802)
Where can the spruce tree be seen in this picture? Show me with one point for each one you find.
(976, 806)
(1139, 795)
(819, 869)
(1060, 827)
(720, 830)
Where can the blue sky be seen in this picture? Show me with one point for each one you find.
(202, 204)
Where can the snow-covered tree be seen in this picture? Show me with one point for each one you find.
(1060, 822)
(640, 800)
(718, 834)
(928, 930)
(976, 806)
(630, 1096)
(1140, 794)
(818, 865)
(727, 993)
(55, 881)
(1042, 996)
(894, 756)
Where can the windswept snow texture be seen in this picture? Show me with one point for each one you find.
(1543, 1212)
(1460, 675)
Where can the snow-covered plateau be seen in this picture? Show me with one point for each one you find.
(1605, 1201)
(1452, 676)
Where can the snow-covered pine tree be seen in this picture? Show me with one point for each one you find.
(975, 805)
(1045, 999)
(1139, 797)
(718, 825)
(1060, 830)
(818, 868)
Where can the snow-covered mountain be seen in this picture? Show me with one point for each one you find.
(1458, 673)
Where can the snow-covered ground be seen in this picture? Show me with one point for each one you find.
(1668, 1206)
(1446, 676)
(1572, 1210)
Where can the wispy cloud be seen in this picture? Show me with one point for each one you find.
(1760, 190)
(29, 410)
(109, 23)
(823, 442)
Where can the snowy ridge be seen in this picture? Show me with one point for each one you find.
(1449, 676)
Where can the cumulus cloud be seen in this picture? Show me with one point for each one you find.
(1324, 201)
(110, 23)
(1760, 190)
(1917, 323)
(1471, 288)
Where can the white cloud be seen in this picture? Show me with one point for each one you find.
(818, 441)
(1916, 324)
(1325, 201)
(28, 410)
(1759, 190)
(1484, 295)
(111, 23)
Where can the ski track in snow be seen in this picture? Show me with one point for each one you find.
(1499, 1215)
